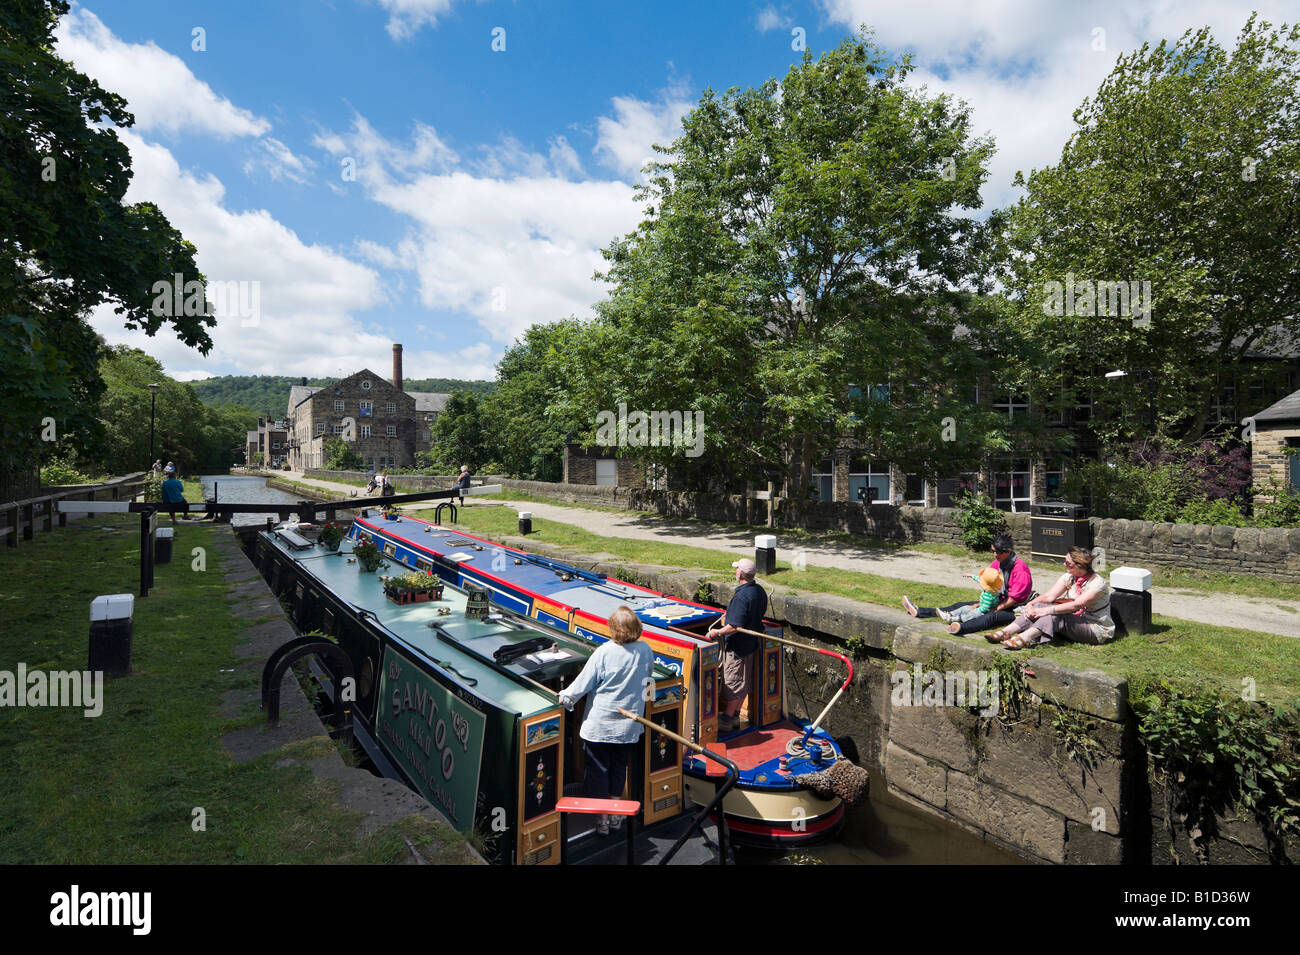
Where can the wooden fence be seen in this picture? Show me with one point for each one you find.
(19, 519)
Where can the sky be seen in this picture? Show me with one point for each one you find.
(444, 173)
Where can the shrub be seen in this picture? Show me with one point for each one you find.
(1212, 511)
(57, 472)
(1282, 511)
(980, 521)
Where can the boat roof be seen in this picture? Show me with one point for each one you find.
(543, 576)
(411, 624)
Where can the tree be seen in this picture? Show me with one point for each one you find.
(340, 456)
(801, 251)
(69, 242)
(459, 436)
(1183, 172)
(529, 412)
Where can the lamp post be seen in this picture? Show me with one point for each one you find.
(153, 401)
(1151, 392)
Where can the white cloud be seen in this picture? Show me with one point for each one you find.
(279, 161)
(769, 19)
(1023, 69)
(307, 294)
(159, 88)
(623, 142)
(507, 238)
(408, 16)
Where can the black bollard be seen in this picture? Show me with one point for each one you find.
(525, 522)
(111, 623)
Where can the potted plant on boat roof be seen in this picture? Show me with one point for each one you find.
(367, 554)
(390, 512)
(415, 587)
(331, 535)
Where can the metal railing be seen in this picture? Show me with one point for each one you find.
(19, 519)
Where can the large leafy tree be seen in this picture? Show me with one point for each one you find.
(69, 242)
(803, 253)
(530, 412)
(460, 436)
(1184, 171)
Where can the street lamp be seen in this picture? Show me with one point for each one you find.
(1151, 391)
(153, 401)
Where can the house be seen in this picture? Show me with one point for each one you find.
(271, 440)
(1277, 431)
(386, 425)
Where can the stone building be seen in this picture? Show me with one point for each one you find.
(600, 466)
(271, 440)
(1277, 428)
(387, 426)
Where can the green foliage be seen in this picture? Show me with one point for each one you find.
(1220, 754)
(791, 232)
(368, 554)
(413, 581)
(857, 647)
(979, 520)
(331, 535)
(1130, 490)
(460, 436)
(1182, 172)
(340, 456)
(59, 472)
(1212, 511)
(153, 483)
(69, 241)
(1013, 689)
(1074, 736)
(1282, 511)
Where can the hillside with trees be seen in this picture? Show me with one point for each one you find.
(263, 393)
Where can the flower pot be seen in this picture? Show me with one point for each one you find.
(370, 566)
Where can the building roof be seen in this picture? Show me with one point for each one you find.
(430, 401)
(1288, 409)
(252, 438)
(300, 393)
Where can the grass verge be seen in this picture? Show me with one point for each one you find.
(124, 787)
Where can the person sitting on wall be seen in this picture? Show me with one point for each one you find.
(1076, 608)
(463, 482)
(173, 493)
(1017, 587)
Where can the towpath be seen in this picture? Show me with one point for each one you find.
(1264, 614)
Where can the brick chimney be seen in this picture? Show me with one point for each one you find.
(304, 381)
(397, 367)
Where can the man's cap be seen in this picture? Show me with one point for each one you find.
(744, 565)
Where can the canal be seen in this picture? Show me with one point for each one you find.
(881, 830)
(233, 489)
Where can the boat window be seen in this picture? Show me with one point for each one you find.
(390, 550)
(424, 565)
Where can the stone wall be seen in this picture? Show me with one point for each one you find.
(1269, 462)
(1006, 777)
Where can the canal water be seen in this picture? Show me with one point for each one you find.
(881, 830)
(232, 489)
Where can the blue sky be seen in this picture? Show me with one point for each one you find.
(384, 175)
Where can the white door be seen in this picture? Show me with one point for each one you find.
(606, 472)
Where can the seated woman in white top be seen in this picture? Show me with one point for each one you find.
(1076, 608)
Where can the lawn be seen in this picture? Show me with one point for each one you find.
(123, 787)
(1176, 649)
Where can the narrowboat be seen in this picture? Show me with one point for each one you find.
(460, 701)
(768, 805)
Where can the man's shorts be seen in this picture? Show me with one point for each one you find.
(736, 676)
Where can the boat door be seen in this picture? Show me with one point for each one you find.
(771, 682)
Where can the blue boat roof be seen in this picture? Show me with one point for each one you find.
(600, 597)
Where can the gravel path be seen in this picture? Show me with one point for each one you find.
(1247, 613)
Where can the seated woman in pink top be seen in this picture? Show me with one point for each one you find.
(1017, 585)
(1076, 608)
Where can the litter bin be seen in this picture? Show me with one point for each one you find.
(110, 633)
(1055, 527)
(162, 545)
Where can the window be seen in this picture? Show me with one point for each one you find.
(337, 429)
(365, 385)
(1225, 408)
(869, 481)
(950, 489)
(391, 407)
(606, 472)
(1083, 409)
(367, 408)
(914, 490)
(823, 481)
(1011, 485)
(365, 430)
(1010, 404)
(1055, 479)
(428, 437)
(275, 445)
(338, 405)
(320, 427)
(391, 430)
(1293, 463)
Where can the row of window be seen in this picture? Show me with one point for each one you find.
(870, 480)
(365, 430)
(365, 408)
